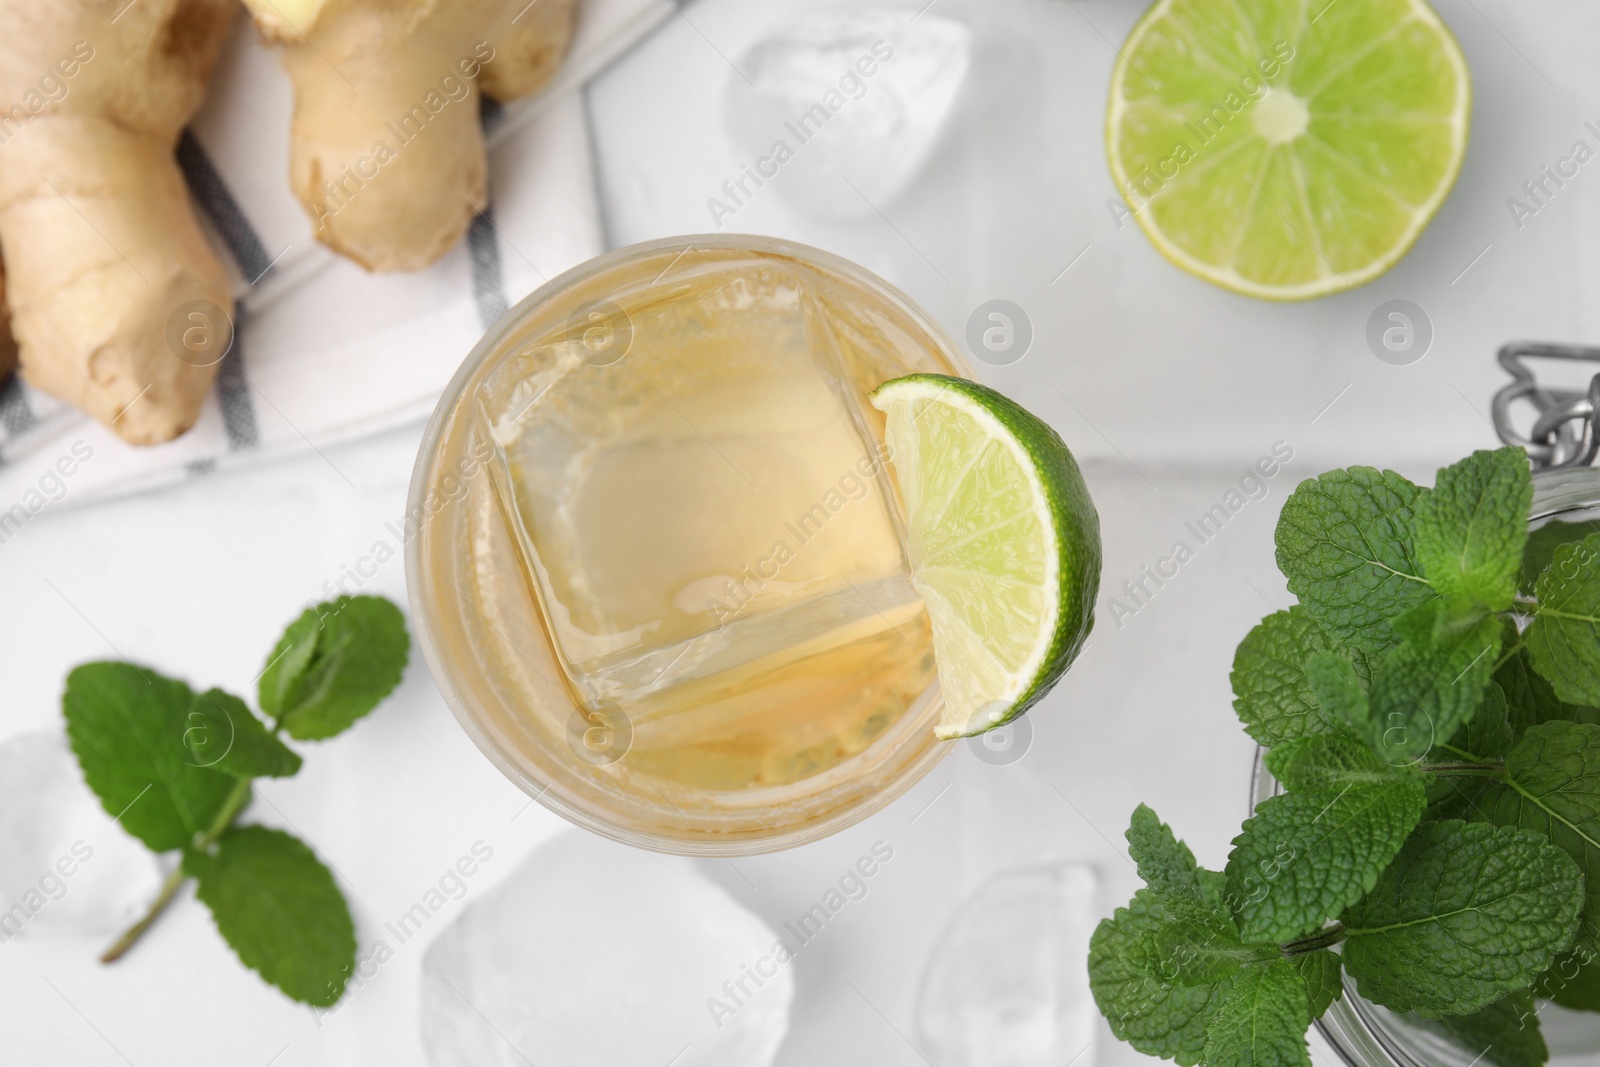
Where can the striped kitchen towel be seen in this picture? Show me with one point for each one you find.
(325, 352)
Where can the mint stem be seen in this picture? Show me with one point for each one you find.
(1316, 942)
(1503, 660)
(230, 811)
(169, 889)
(1493, 769)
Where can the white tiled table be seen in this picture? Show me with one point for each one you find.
(1167, 388)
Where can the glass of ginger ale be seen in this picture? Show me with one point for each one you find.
(655, 556)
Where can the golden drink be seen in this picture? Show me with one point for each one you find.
(667, 513)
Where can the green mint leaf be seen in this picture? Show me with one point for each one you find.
(1553, 789)
(1162, 859)
(1453, 798)
(1324, 979)
(1471, 530)
(224, 735)
(1564, 637)
(1263, 1020)
(1164, 862)
(126, 727)
(1154, 1015)
(1330, 762)
(1422, 694)
(1197, 944)
(1306, 856)
(1488, 736)
(1438, 621)
(1455, 617)
(278, 907)
(333, 665)
(1505, 1034)
(1573, 981)
(1542, 545)
(1465, 915)
(1530, 699)
(1272, 695)
(1185, 952)
(1415, 625)
(1339, 690)
(289, 663)
(1344, 543)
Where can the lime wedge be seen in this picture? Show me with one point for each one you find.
(1004, 544)
(1287, 149)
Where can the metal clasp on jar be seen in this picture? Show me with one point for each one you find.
(1563, 433)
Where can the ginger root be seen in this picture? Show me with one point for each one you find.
(387, 153)
(102, 248)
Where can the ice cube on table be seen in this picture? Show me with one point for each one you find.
(591, 952)
(807, 88)
(1007, 983)
(65, 866)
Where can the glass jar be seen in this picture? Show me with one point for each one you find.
(1367, 1035)
(495, 620)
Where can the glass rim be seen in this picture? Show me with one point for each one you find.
(590, 816)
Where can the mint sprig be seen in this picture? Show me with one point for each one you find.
(1431, 708)
(176, 768)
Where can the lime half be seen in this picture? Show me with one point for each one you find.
(1004, 544)
(1287, 148)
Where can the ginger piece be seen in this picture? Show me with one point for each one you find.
(102, 249)
(386, 152)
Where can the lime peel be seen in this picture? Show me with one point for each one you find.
(1003, 539)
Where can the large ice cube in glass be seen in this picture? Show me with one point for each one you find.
(699, 495)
